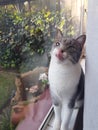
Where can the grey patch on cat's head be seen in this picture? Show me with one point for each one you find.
(74, 48)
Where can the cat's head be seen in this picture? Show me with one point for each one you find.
(67, 50)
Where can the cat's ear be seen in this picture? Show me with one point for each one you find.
(59, 34)
(81, 39)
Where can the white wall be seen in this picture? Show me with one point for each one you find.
(91, 85)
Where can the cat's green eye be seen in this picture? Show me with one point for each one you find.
(57, 43)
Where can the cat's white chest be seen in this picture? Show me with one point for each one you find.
(63, 79)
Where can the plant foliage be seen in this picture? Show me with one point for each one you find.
(5, 123)
(26, 33)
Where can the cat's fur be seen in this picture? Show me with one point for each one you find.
(66, 78)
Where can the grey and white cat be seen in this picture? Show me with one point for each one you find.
(66, 78)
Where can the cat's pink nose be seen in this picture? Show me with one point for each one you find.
(59, 54)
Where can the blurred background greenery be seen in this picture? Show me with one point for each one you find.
(26, 34)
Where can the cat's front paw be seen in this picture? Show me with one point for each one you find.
(56, 126)
(64, 128)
